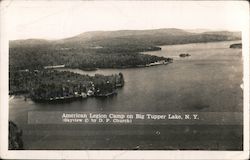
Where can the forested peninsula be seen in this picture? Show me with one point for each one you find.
(53, 85)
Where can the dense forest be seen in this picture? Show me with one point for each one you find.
(37, 58)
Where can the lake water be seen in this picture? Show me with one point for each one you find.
(207, 81)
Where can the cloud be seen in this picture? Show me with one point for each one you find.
(59, 19)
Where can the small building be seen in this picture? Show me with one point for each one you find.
(84, 95)
(90, 93)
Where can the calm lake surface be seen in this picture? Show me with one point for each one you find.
(207, 81)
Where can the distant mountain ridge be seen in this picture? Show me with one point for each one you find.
(122, 33)
(152, 33)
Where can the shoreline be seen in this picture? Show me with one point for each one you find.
(122, 67)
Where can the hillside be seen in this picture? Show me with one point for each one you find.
(105, 49)
(149, 37)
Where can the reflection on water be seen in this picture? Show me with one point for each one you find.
(208, 80)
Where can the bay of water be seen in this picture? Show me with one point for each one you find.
(207, 81)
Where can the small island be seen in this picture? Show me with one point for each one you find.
(184, 55)
(236, 45)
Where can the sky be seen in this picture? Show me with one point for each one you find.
(64, 18)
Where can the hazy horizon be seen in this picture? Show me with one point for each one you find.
(199, 30)
(53, 20)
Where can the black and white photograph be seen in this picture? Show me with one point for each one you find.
(124, 76)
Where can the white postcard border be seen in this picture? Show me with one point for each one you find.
(117, 154)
